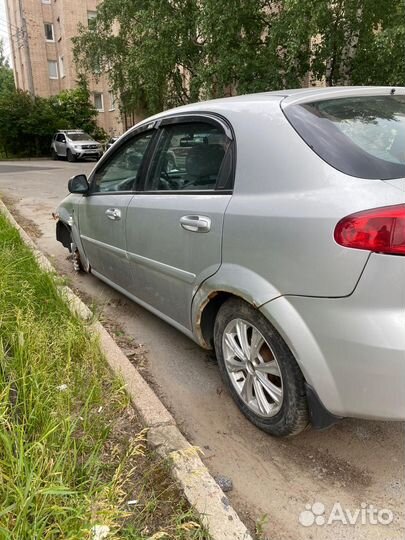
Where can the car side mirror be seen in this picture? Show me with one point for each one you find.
(78, 184)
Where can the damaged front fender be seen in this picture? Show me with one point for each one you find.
(67, 231)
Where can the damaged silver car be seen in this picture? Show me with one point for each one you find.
(270, 227)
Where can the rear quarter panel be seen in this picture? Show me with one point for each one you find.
(280, 222)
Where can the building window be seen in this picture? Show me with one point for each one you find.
(111, 99)
(46, 1)
(61, 67)
(91, 15)
(99, 102)
(53, 69)
(49, 35)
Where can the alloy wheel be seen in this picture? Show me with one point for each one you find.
(253, 368)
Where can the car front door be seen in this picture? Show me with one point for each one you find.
(102, 213)
(60, 143)
(174, 228)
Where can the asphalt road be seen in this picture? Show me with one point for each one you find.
(355, 462)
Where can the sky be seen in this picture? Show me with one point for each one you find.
(3, 29)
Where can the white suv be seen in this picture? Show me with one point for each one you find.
(74, 145)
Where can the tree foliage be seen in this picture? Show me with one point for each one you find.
(75, 110)
(351, 38)
(163, 53)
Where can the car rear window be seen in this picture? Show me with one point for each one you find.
(360, 136)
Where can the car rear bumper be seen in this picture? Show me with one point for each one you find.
(352, 349)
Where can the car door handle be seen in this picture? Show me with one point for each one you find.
(196, 223)
(113, 213)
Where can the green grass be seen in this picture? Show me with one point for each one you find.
(69, 459)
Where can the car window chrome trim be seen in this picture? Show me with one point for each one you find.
(215, 192)
(99, 193)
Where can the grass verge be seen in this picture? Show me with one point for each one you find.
(72, 451)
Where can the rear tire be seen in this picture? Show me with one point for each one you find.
(71, 157)
(259, 370)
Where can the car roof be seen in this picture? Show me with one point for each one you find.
(336, 92)
(290, 96)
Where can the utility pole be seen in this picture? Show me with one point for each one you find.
(26, 45)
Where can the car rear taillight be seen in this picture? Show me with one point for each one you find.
(381, 230)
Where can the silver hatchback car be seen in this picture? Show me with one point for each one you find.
(270, 227)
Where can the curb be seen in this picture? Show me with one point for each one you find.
(199, 487)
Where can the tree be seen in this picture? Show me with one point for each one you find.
(352, 38)
(162, 53)
(22, 123)
(151, 59)
(382, 60)
(75, 110)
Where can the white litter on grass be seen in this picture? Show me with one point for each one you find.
(100, 409)
(100, 532)
(62, 387)
(132, 503)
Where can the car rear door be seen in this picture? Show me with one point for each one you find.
(174, 227)
(103, 212)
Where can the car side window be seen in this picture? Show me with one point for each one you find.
(121, 171)
(189, 156)
(60, 138)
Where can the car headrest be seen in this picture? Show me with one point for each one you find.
(204, 160)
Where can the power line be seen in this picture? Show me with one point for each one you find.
(7, 23)
(4, 28)
(4, 19)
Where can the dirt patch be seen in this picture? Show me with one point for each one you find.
(29, 226)
(135, 352)
(328, 467)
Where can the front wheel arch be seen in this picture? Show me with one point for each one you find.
(64, 235)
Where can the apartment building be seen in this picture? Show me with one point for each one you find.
(41, 33)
